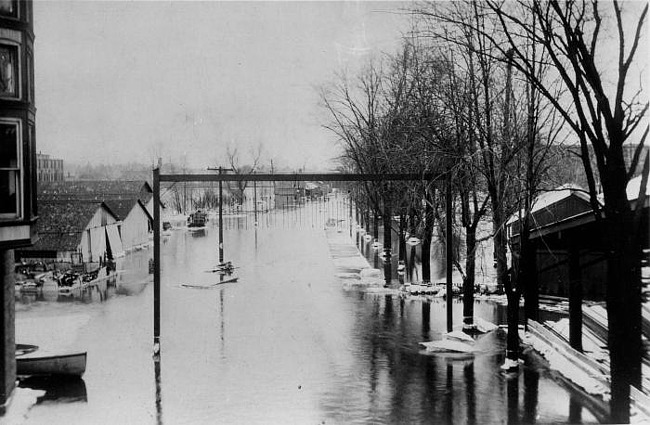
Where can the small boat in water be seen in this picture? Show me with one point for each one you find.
(30, 362)
(197, 220)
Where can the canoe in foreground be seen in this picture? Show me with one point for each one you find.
(73, 364)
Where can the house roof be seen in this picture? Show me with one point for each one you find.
(547, 200)
(98, 190)
(61, 223)
(122, 207)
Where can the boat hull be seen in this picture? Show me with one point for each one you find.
(73, 364)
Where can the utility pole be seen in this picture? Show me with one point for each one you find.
(221, 170)
(255, 201)
(156, 258)
(450, 254)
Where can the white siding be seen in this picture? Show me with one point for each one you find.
(135, 228)
(93, 240)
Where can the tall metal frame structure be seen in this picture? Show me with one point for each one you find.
(294, 177)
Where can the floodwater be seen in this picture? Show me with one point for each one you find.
(286, 344)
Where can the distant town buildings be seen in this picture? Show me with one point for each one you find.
(49, 169)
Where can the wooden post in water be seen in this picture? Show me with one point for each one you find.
(449, 255)
(156, 261)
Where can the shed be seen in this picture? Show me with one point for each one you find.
(75, 232)
(135, 223)
(565, 232)
(125, 198)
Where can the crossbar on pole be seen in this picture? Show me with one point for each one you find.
(332, 177)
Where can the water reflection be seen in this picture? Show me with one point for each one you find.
(57, 389)
(531, 389)
(299, 348)
(158, 381)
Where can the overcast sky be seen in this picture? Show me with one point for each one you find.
(117, 81)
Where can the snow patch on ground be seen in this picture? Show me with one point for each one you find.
(21, 401)
(592, 383)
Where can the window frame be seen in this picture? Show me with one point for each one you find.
(17, 69)
(19, 169)
(16, 15)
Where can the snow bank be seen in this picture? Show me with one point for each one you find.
(592, 381)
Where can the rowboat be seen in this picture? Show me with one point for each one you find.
(29, 362)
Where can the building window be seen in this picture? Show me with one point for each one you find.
(10, 168)
(9, 8)
(8, 71)
(30, 78)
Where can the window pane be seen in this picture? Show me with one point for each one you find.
(9, 8)
(8, 70)
(8, 192)
(8, 146)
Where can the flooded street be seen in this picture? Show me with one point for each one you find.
(286, 344)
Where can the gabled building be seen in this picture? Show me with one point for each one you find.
(125, 198)
(74, 232)
(134, 223)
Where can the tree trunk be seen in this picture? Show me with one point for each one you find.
(468, 283)
(387, 217)
(402, 239)
(575, 299)
(426, 241)
(506, 280)
(387, 222)
(375, 230)
(623, 305)
(531, 284)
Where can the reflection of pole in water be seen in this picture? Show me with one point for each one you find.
(156, 368)
(468, 373)
(512, 391)
(449, 400)
(575, 410)
(531, 389)
(221, 315)
(426, 319)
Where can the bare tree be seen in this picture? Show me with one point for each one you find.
(234, 161)
(603, 117)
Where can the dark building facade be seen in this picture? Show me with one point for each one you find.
(17, 167)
